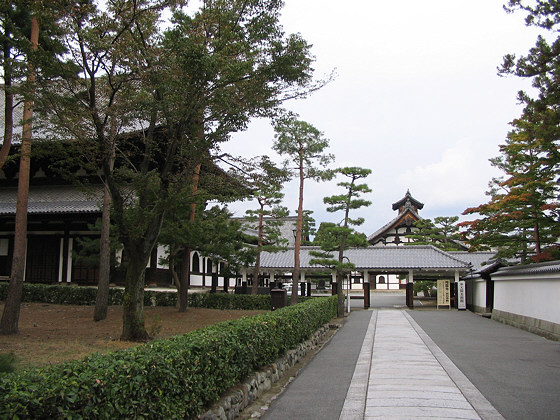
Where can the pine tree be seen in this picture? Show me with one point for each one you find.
(339, 237)
(442, 232)
(522, 216)
(305, 147)
(265, 180)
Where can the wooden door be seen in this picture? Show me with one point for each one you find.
(43, 259)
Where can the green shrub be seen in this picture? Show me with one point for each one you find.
(227, 301)
(81, 295)
(7, 363)
(174, 378)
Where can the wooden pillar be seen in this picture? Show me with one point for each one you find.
(65, 267)
(302, 283)
(272, 280)
(410, 290)
(214, 278)
(366, 295)
(203, 271)
(62, 261)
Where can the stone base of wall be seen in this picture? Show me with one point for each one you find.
(543, 328)
(243, 395)
(479, 309)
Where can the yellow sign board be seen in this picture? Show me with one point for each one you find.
(443, 293)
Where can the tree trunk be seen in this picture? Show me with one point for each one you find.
(8, 108)
(257, 269)
(102, 298)
(537, 236)
(340, 290)
(184, 281)
(255, 287)
(339, 274)
(297, 246)
(10, 317)
(174, 276)
(133, 302)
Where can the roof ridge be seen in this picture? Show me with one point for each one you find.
(448, 254)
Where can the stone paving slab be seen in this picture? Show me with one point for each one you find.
(406, 401)
(408, 377)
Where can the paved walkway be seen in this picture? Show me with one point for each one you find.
(381, 365)
(402, 374)
(384, 363)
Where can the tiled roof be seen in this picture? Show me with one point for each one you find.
(52, 200)
(390, 257)
(287, 228)
(529, 269)
(479, 260)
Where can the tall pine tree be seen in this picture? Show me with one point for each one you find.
(336, 238)
(521, 217)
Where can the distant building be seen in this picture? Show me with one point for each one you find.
(394, 233)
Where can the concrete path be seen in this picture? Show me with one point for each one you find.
(381, 365)
(391, 363)
(402, 374)
(318, 392)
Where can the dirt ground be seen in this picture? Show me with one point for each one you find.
(50, 334)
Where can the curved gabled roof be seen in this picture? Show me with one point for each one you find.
(392, 224)
(417, 205)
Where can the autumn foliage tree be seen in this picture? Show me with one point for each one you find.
(522, 216)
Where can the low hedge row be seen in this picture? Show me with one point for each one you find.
(174, 378)
(77, 295)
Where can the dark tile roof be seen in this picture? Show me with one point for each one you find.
(383, 258)
(53, 200)
(529, 269)
(408, 197)
(287, 228)
(478, 260)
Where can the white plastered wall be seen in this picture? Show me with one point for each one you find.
(479, 293)
(531, 296)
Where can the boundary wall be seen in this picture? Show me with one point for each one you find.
(528, 297)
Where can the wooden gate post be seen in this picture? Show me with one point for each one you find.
(410, 295)
(366, 295)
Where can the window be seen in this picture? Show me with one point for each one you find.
(4, 247)
(195, 263)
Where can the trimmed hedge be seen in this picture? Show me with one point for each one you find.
(174, 378)
(81, 295)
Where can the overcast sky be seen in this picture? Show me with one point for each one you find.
(417, 99)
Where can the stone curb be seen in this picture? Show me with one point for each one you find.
(244, 394)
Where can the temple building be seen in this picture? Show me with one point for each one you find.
(394, 233)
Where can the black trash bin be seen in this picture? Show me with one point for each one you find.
(278, 298)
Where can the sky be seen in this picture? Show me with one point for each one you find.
(417, 100)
